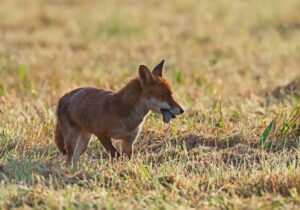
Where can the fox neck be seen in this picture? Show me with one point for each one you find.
(132, 103)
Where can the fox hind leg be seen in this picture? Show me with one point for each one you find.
(70, 139)
(81, 145)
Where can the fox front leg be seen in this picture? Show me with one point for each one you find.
(107, 143)
(127, 145)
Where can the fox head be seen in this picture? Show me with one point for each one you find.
(157, 92)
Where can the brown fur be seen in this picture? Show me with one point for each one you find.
(59, 139)
(107, 115)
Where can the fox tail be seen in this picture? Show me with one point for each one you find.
(59, 139)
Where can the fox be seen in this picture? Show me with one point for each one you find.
(111, 115)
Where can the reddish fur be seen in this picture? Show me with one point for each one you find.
(106, 114)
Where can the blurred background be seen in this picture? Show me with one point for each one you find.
(211, 47)
(234, 52)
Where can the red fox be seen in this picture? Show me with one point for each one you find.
(106, 114)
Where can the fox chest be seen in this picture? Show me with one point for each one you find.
(121, 133)
(126, 128)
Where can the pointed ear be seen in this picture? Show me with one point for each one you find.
(157, 71)
(145, 75)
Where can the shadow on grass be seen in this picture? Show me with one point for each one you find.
(186, 140)
(37, 172)
(235, 150)
(292, 88)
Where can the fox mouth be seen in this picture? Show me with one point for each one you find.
(167, 115)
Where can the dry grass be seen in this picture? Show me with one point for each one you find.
(234, 65)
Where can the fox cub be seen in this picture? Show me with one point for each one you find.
(107, 114)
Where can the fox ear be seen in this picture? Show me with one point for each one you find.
(145, 75)
(157, 71)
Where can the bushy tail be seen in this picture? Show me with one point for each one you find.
(63, 119)
(59, 139)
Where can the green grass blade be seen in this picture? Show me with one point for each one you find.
(265, 135)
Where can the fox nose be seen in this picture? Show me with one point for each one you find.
(181, 111)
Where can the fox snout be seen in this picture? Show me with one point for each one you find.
(170, 112)
(171, 106)
(177, 110)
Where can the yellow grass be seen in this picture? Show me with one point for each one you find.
(234, 65)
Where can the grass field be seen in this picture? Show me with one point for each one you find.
(234, 66)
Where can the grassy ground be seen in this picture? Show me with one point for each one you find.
(234, 66)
